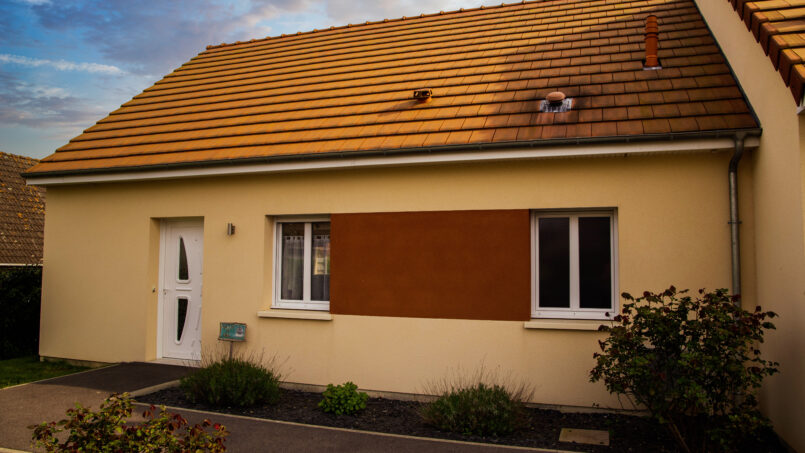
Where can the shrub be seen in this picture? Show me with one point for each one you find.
(20, 289)
(343, 399)
(478, 403)
(107, 430)
(482, 410)
(237, 381)
(692, 362)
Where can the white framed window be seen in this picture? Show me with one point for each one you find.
(574, 264)
(302, 263)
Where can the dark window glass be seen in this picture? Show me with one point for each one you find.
(183, 273)
(320, 262)
(293, 256)
(554, 262)
(595, 261)
(181, 316)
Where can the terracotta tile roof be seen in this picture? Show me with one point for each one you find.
(22, 213)
(779, 27)
(350, 88)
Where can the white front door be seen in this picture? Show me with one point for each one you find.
(181, 289)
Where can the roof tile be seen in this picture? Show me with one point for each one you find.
(609, 129)
(687, 124)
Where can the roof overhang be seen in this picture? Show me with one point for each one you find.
(423, 156)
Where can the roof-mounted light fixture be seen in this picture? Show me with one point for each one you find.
(555, 102)
(652, 43)
(423, 95)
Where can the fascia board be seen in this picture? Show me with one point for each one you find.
(504, 154)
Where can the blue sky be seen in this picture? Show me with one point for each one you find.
(65, 64)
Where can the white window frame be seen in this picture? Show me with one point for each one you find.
(574, 311)
(305, 303)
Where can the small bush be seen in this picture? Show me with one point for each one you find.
(478, 403)
(237, 381)
(107, 430)
(344, 399)
(482, 410)
(692, 362)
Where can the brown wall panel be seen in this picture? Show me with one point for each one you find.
(444, 264)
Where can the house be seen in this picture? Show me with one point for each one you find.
(388, 201)
(22, 214)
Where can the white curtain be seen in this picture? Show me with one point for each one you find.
(293, 252)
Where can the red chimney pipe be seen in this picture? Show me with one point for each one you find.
(652, 30)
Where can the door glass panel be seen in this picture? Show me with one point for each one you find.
(183, 272)
(595, 263)
(320, 262)
(554, 262)
(293, 251)
(181, 316)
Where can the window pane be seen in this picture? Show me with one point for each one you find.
(293, 250)
(181, 316)
(554, 262)
(320, 262)
(183, 273)
(595, 273)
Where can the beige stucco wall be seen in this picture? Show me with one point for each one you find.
(778, 195)
(102, 240)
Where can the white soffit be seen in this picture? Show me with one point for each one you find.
(338, 161)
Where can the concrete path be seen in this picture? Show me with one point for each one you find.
(33, 403)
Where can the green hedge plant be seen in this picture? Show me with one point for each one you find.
(108, 431)
(239, 381)
(344, 399)
(693, 362)
(478, 403)
(481, 410)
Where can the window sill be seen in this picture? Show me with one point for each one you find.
(564, 324)
(296, 314)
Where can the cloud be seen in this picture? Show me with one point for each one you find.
(155, 36)
(61, 65)
(41, 106)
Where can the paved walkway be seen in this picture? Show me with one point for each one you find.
(33, 403)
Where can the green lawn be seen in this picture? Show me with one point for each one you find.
(27, 369)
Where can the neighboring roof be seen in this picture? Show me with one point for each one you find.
(22, 213)
(350, 88)
(779, 27)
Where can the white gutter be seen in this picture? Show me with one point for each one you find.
(338, 162)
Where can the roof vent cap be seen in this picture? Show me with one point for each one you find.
(423, 95)
(555, 97)
(556, 102)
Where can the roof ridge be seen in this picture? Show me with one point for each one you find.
(2, 153)
(316, 30)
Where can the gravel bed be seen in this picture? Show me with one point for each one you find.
(540, 428)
